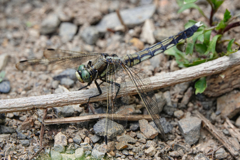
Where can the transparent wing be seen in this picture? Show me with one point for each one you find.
(112, 106)
(147, 96)
(57, 59)
(117, 108)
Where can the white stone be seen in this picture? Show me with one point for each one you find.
(147, 32)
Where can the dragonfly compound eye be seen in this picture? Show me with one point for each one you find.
(85, 76)
(81, 68)
(78, 75)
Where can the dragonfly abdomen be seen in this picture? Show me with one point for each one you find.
(136, 58)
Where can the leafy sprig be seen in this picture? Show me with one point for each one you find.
(2, 75)
(202, 46)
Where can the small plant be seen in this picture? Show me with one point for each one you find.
(2, 75)
(204, 45)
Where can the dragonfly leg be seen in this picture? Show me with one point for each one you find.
(116, 84)
(84, 86)
(99, 90)
(89, 106)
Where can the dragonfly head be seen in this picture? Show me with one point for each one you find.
(83, 74)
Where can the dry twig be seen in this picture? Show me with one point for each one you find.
(96, 116)
(232, 129)
(37, 152)
(219, 135)
(121, 20)
(157, 82)
(214, 151)
(42, 127)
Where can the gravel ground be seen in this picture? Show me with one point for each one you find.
(28, 27)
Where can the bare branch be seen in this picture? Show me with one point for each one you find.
(219, 135)
(121, 20)
(96, 116)
(157, 82)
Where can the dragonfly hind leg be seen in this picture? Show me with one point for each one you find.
(99, 90)
(116, 84)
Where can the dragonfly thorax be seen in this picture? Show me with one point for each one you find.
(83, 75)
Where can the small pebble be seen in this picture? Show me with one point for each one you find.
(5, 86)
(70, 140)
(238, 122)
(178, 114)
(221, 154)
(25, 143)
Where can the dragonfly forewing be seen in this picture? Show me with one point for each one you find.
(57, 59)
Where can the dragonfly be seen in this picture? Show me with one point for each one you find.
(105, 67)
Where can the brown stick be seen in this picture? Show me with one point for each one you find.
(219, 135)
(97, 116)
(213, 152)
(121, 20)
(157, 82)
(37, 152)
(232, 129)
(42, 127)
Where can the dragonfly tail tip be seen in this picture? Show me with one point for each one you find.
(198, 24)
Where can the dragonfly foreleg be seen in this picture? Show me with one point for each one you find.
(99, 90)
(85, 86)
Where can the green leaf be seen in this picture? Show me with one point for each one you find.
(227, 16)
(180, 2)
(191, 41)
(189, 1)
(186, 6)
(216, 4)
(191, 5)
(200, 85)
(189, 48)
(201, 38)
(201, 48)
(189, 24)
(221, 25)
(212, 46)
(207, 35)
(195, 63)
(229, 47)
(179, 56)
(2, 75)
